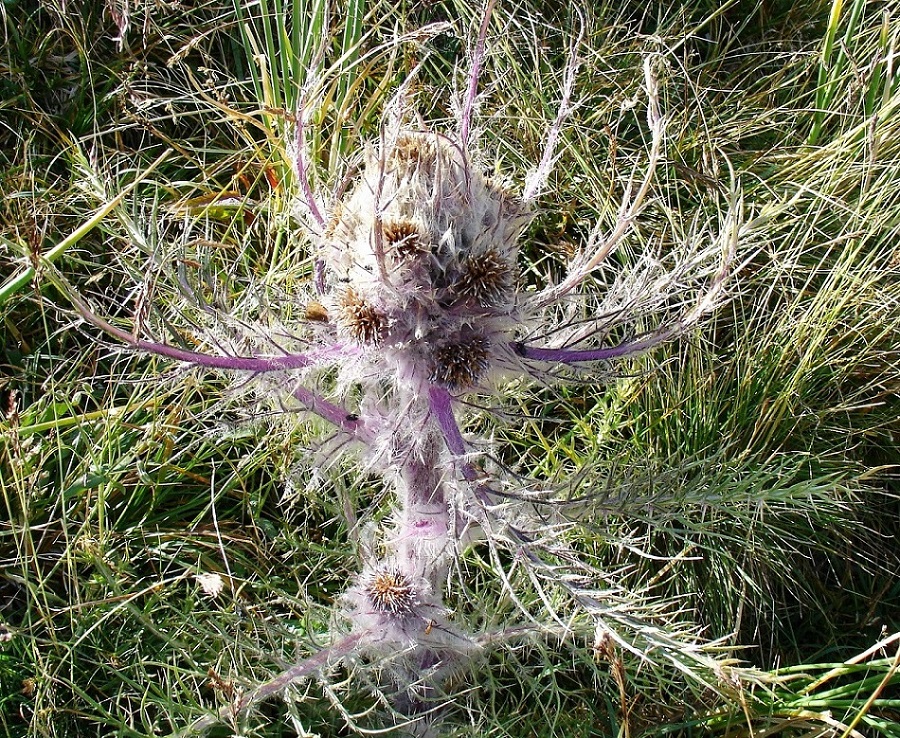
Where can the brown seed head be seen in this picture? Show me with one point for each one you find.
(486, 278)
(404, 239)
(389, 590)
(362, 322)
(462, 363)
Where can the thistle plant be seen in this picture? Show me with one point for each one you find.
(417, 311)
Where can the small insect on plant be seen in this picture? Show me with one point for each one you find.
(417, 311)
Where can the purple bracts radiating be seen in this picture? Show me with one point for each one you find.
(255, 364)
(572, 356)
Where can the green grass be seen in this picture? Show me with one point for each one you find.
(742, 480)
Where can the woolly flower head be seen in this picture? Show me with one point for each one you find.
(400, 611)
(421, 262)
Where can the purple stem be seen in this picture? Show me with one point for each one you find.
(255, 364)
(334, 414)
(314, 403)
(258, 365)
(442, 409)
(570, 356)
